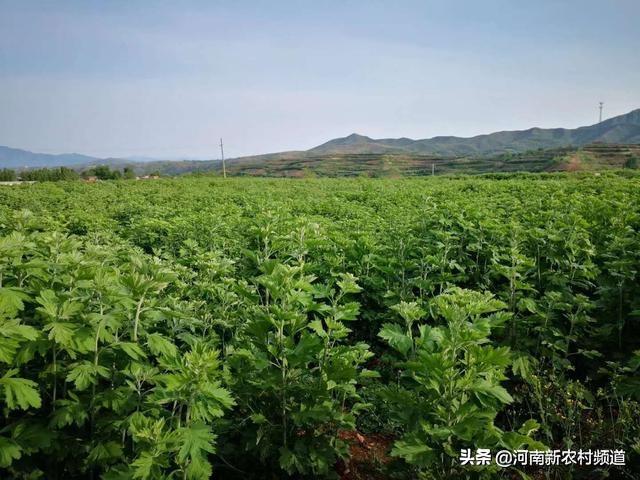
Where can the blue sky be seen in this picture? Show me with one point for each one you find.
(168, 78)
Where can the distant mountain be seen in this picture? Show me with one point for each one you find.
(620, 129)
(134, 158)
(21, 159)
(16, 158)
(623, 129)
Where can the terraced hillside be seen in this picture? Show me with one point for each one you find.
(390, 165)
(297, 164)
(598, 156)
(590, 157)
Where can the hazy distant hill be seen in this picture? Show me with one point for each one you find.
(621, 129)
(16, 158)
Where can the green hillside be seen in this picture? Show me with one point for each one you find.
(390, 165)
(590, 157)
(621, 129)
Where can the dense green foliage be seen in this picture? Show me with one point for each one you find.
(49, 174)
(103, 172)
(200, 327)
(60, 174)
(632, 162)
(7, 175)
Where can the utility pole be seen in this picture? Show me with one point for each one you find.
(224, 168)
(433, 169)
(601, 104)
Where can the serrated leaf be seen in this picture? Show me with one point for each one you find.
(32, 435)
(13, 328)
(60, 332)
(317, 327)
(48, 303)
(529, 427)
(105, 452)
(133, 350)
(521, 366)
(396, 338)
(9, 451)
(496, 391)
(196, 440)
(412, 451)
(85, 374)
(160, 345)
(348, 284)
(11, 301)
(19, 392)
(143, 466)
(221, 395)
(199, 469)
(409, 311)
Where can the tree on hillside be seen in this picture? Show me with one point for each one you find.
(128, 173)
(49, 174)
(7, 175)
(632, 162)
(102, 172)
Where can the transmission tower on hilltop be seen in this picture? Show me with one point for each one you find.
(600, 117)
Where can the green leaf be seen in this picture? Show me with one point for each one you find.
(318, 328)
(49, 303)
(32, 435)
(199, 469)
(143, 465)
(19, 392)
(68, 412)
(529, 427)
(9, 451)
(13, 328)
(224, 397)
(409, 311)
(346, 312)
(348, 283)
(8, 349)
(528, 304)
(69, 308)
(133, 350)
(85, 374)
(413, 451)
(496, 391)
(396, 338)
(61, 333)
(102, 452)
(195, 440)
(160, 345)
(288, 461)
(521, 366)
(11, 301)
(590, 353)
